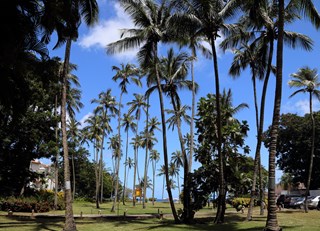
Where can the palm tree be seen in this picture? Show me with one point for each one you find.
(178, 160)
(74, 134)
(151, 19)
(162, 172)
(66, 22)
(135, 106)
(127, 124)
(307, 8)
(128, 163)
(261, 24)
(307, 80)
(207, 19)
(193, 41)
(148, 141)
(154, 158)
(107, 108)
(125, 74)
(93, 132)
(114, 145)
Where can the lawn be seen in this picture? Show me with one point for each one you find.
(294, 220)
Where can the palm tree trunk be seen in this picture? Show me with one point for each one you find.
(272, 221)
(134, 177)
(56, 164)
(164, 136)
(154, 166)
(73, 177)
(118, 160)
(311, 154)
(69, 219)
(193, 106)
(222, 190)
(97, 175)
(146, 157)
(125, 171)
(260, 122)
(101, 167)
(186, 217)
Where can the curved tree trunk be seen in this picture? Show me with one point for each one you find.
(164, 136)
(69, 219)
(186, 216)
(311, 155)
(272, 221)
(222, 187)
(260, 123)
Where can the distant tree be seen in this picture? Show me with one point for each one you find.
(294, 143)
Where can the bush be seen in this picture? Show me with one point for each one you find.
(41, 201)
(240, 201)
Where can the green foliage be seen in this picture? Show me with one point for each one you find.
(41, 201)
(205, 180)
(294, 143)
(245, 201)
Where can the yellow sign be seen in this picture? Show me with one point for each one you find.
(138, 192)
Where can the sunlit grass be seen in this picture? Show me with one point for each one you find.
(294, 220)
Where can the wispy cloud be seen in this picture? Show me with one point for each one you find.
(83, 119)
(108, 31)
(300, 107)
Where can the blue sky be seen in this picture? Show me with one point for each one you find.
(95, 75)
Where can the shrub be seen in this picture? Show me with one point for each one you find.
(240, 201)
(41, 201)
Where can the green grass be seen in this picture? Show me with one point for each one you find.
(294, 220)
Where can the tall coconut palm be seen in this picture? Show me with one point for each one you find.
(93, 132)
(151, 19)
(129, 163)
(154, 158)
(128, 124)
(66, 23)
(125, 74)
(261, 20)
(74, 134)
(106, 109)
(307, 79)
(307, 8)
(178, 160)
(207, 19)
(135, 107)
(114, 145)
(162, 172)
(149, 141)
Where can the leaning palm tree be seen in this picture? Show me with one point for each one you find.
(154, 158)
(125, 74)
(66, 22)
(135, 107)
(128, 124)
(151, 19)
(307, 79)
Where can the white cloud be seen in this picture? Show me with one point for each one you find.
(108, 31)
(83, 119)
(301, 107)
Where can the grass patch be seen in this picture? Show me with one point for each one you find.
(293, 220)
